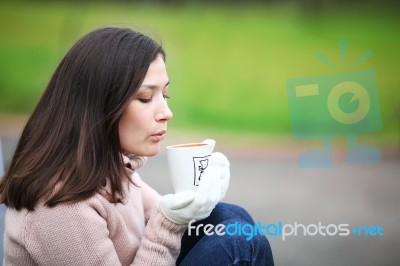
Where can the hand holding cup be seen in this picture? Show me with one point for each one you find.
(196, 201)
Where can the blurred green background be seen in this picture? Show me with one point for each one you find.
(228, 63)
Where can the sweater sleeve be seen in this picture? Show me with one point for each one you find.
(78, 234)
(74, 234)
(150, 196)
(161, 242)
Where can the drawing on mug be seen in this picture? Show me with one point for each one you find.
(200, 165)
(203, 165)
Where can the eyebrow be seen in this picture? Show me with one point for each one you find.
(148, 86)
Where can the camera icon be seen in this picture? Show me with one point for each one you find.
(335, 105)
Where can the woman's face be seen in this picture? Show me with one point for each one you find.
(144, 122)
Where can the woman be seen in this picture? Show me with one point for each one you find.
(72, 190)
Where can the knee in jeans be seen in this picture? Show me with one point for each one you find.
(261, 241)
(247, 247)
(232, 211)
(244, 213)
(244, 234)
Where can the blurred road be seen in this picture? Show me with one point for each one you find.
(268, 182)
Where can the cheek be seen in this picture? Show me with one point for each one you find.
(126, 126)
(123, 135)
(122, 130)
(131, 124)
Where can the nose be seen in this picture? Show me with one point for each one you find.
(164, 113)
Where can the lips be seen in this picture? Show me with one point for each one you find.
(159, 135)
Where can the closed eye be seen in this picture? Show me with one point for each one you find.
(145, 100)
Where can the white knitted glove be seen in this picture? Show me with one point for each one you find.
(218, 159)
(189, 205)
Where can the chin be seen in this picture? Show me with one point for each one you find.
(151, 152)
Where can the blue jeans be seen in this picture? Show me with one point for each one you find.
(225, 249)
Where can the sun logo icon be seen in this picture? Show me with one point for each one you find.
(343, 104)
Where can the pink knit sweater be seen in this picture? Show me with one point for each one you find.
(94, 232)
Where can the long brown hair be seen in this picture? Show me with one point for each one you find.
(71, 139)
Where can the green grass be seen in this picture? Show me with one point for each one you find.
(228, 66)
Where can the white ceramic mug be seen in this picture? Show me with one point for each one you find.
(188, 163)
